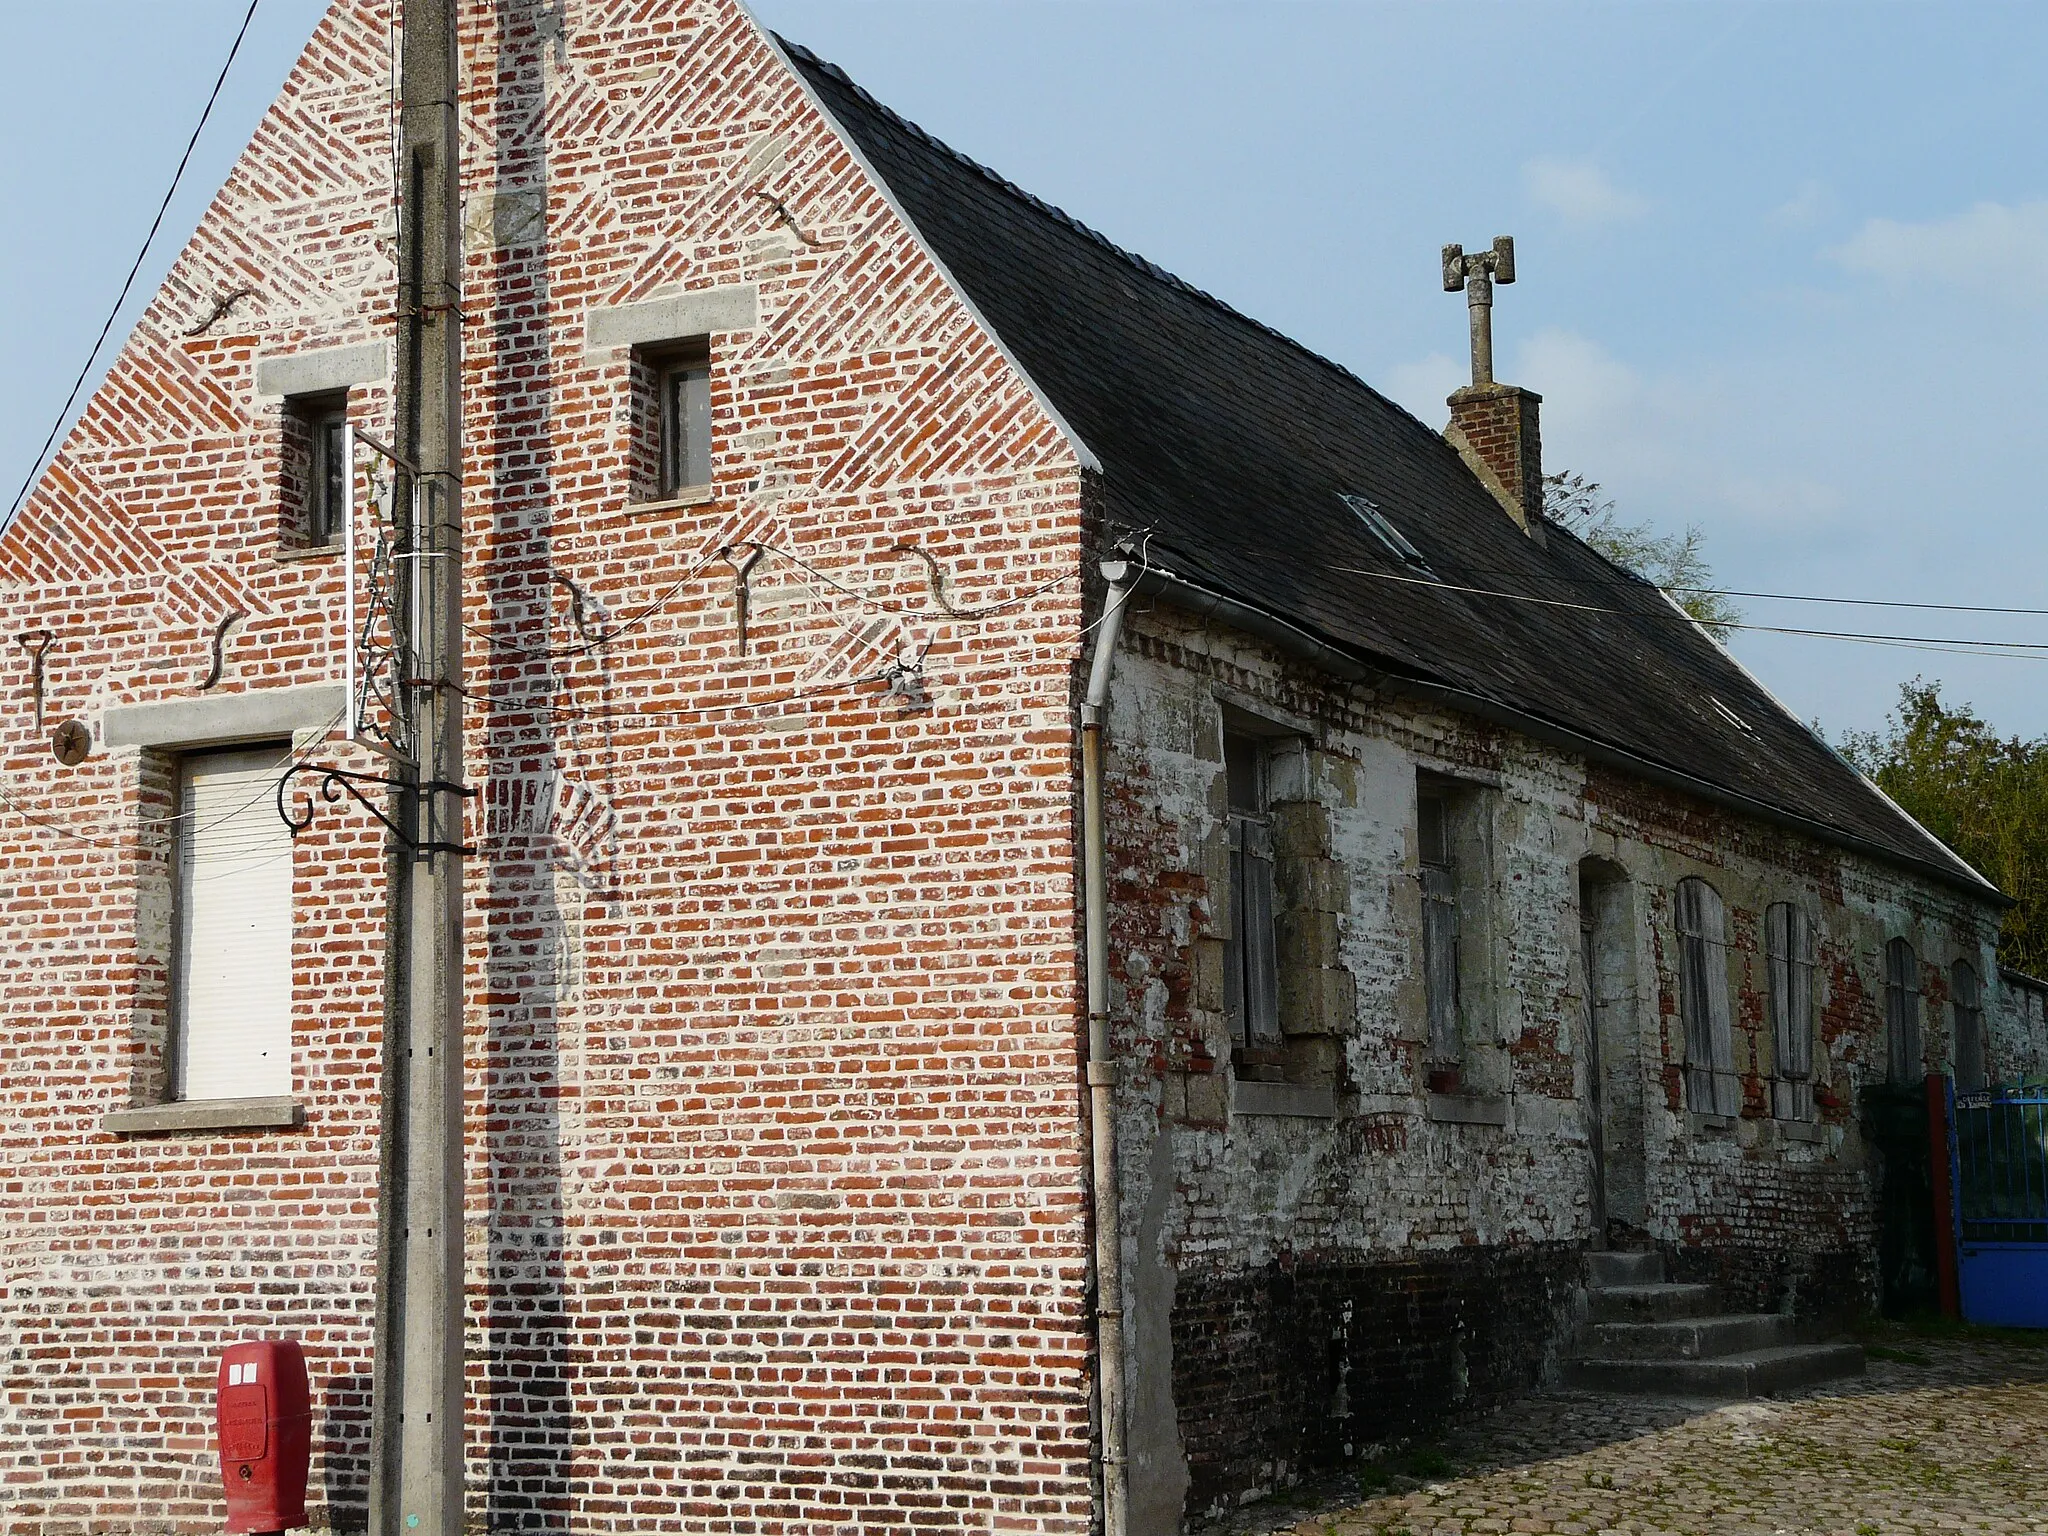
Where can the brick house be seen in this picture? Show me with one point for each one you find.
(849, 534)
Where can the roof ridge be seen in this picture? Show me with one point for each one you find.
(1143, 263)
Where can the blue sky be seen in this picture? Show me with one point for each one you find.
(1781, 264)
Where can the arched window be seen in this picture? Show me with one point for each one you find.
(1711, 1086)
(1903, 1056)
(1788, 949)
(1973, 1069)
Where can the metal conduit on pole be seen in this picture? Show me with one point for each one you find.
(1109, 1264)
(417, 1447)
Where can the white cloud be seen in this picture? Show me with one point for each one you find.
(1422, 387)
(1806, 207)
(1674, 448)
(1580, 380)
(1974, 249)
(1579, 191)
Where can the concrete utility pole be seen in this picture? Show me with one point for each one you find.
(1477, 274)
(416, 1474)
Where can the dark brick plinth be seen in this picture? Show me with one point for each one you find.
(1286, 1367)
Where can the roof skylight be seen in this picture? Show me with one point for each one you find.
(1396, 542)
(1730, 716)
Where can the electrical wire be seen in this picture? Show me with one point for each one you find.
(2023, 649)
(646, 612)
(35, 468)
(1859, 602)
(397, 139)
(1625, 580)
(143, 823)
(516, 705)
(880, 605)
(937, 582)
(511, 705)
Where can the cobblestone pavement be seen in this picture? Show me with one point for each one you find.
(1942, 1435)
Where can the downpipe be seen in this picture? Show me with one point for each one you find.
(1109, 1263)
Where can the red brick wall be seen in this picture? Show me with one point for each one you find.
(1501, 424)
(776, 1215)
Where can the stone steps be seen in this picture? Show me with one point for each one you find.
(1646, 1335)
(1692, 1338)
(1611, 1266)
(1755, 1373)
(1649, 1303)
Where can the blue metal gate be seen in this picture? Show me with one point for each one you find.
(2000, 1163)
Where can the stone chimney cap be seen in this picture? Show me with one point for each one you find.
(1476, 275)
(1500, 262)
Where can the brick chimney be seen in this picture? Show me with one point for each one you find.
(1494, 429)
(1493, 425)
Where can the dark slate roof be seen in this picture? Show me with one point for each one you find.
(1232, 448)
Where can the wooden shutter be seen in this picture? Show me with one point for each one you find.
(1902, 1012)
(1972, 1067)
(1261, 949)
(1233, 947)
(1788, 949)
(1440, 962)
(1711, 1085)
(234, 979)
(1251, 960)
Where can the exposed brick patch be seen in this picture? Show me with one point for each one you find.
(1827, 1284)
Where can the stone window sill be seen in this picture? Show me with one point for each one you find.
(1723, 1125)
(1304, 1101)
(205, 1115)
(1802, 1130)
(1469, 1108)
(692, 496)
(287, 554)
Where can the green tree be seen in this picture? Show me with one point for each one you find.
(1676, 562)
(1984, 795)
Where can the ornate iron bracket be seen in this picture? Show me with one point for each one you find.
(336, 782)
(37, 643)
(742, 595)
(220, 640)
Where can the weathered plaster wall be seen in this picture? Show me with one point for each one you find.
(2018, 1016)
(1332, 1279)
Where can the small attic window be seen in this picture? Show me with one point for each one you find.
(671, 445)
(1383, 530)
(315, 466)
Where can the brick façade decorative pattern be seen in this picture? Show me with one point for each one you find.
(776, 1186)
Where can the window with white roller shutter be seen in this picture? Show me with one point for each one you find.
(234, 980)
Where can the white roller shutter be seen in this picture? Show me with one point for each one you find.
(234, 929)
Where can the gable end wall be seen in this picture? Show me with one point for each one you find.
(776, 1190)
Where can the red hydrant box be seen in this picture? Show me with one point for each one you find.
(263, 1416)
